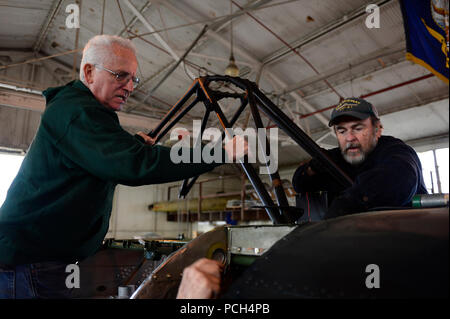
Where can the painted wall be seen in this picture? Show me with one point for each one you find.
(131, 217)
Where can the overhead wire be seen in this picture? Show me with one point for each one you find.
(236, 14)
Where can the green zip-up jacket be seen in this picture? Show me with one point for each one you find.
(58, 206)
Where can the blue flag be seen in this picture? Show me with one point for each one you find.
(426, 32)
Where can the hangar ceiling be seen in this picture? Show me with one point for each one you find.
(305, 55)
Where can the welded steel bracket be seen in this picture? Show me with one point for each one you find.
(201, 90)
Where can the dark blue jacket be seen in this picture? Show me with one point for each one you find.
(390, 176)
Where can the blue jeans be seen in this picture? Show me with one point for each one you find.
(34, 281)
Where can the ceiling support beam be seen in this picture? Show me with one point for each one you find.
(371, 73)
(206, 21)
(318, 33)
(300, 100)
(216, 58)
(341, 69)
(67, 67)
(33, 102)
(278, 37)
(172, 69)
(39, 59)
(430, 142)
(258, 64)
(46, 25)
(75, 55)
(213, 34)
(156, 35)
(218, 25)
(134, 19)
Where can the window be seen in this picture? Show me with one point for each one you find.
(429, 170)
(9, 167)
(442, 162)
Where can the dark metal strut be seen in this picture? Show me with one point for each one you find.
(280, 213)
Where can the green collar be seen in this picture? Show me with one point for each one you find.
(79, 85)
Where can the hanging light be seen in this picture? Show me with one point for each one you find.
(232, 69)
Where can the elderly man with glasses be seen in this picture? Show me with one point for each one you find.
(58, 207)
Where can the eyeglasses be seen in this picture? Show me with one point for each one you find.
(121, 77)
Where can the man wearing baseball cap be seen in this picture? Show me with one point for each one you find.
(386, 172)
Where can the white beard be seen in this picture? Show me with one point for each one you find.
(355, 160)
(358, 159)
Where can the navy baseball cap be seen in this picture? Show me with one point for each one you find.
(354, 107)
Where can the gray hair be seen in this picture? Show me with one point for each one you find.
(98, 50)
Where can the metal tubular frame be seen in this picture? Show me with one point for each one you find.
(280, 213)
